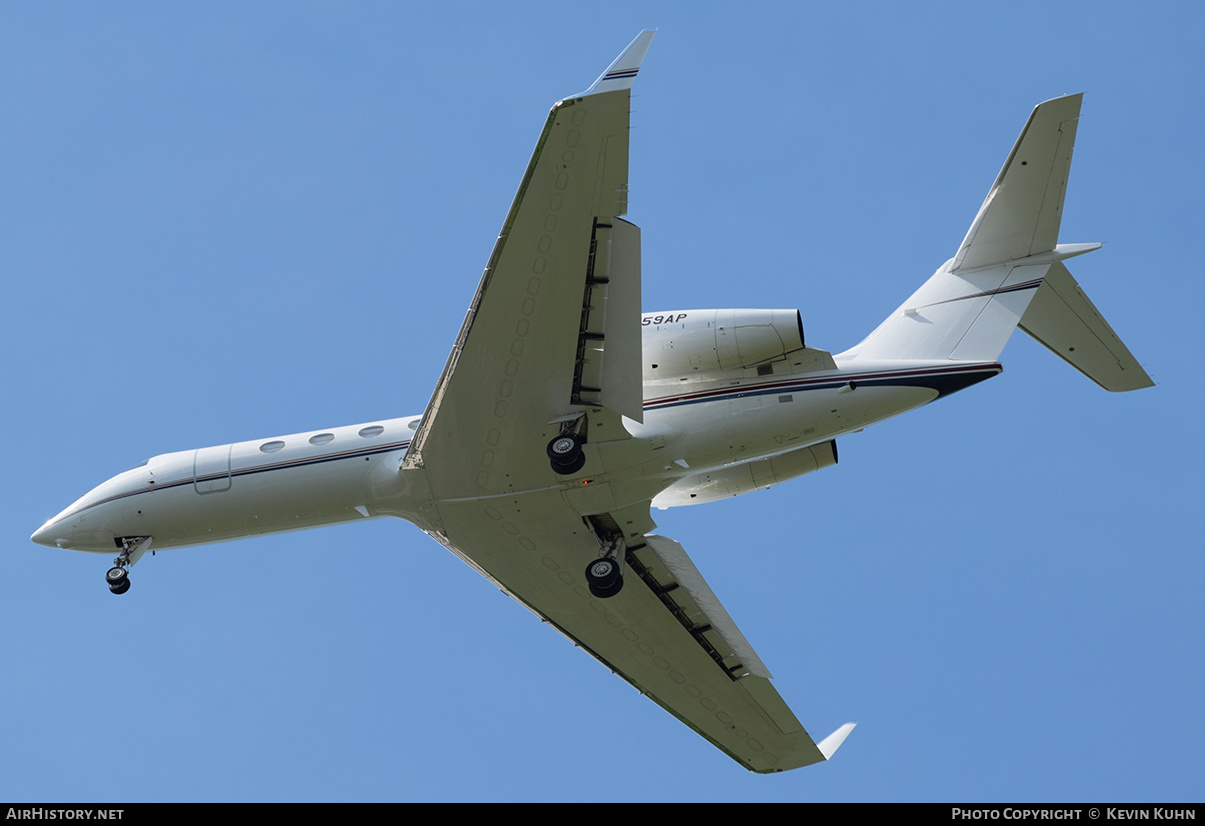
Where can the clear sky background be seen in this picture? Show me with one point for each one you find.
(228, 221)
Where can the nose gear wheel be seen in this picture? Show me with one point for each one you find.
(132, 547)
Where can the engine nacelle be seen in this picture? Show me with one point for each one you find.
(737, 479)
(692, 342)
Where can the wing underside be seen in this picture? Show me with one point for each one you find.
(549, 332)
(660, 633)
(551, 345)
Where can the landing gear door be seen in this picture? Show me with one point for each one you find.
(211, 469)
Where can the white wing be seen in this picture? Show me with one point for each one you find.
(554, 333)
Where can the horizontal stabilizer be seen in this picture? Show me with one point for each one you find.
(1064, 320)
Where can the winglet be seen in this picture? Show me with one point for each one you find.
(829, 745)
(622, 71)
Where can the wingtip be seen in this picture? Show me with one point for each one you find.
(622, 71)
(829, 745)
(1068, 105)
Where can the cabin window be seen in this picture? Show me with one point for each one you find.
(271, 447)
(322, 439)
(373, 430)
(413, 424)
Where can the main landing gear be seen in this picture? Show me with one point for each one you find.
(132, 547)
(565, 454)
(604, 578)
(604, 575)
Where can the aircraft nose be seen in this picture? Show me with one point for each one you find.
(53, 534)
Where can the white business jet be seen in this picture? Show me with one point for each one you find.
(563, 415)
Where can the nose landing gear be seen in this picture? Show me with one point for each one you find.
(118, 579)
(132, 548)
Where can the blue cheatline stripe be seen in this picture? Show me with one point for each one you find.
(792, 384)
(1027, 285)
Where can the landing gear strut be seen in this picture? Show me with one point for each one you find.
(132, 547)
(604, 576)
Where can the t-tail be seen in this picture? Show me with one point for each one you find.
(1009, 273)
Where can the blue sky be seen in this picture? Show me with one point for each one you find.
(234, 221)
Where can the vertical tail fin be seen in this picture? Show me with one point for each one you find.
(970, 307)
(1023, 210)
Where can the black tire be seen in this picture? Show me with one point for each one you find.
(602, 573)
(571, 468)
(120, 587)
(606, 593)
(564, 449)
(116, 576)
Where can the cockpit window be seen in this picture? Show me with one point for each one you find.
(140, 464)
